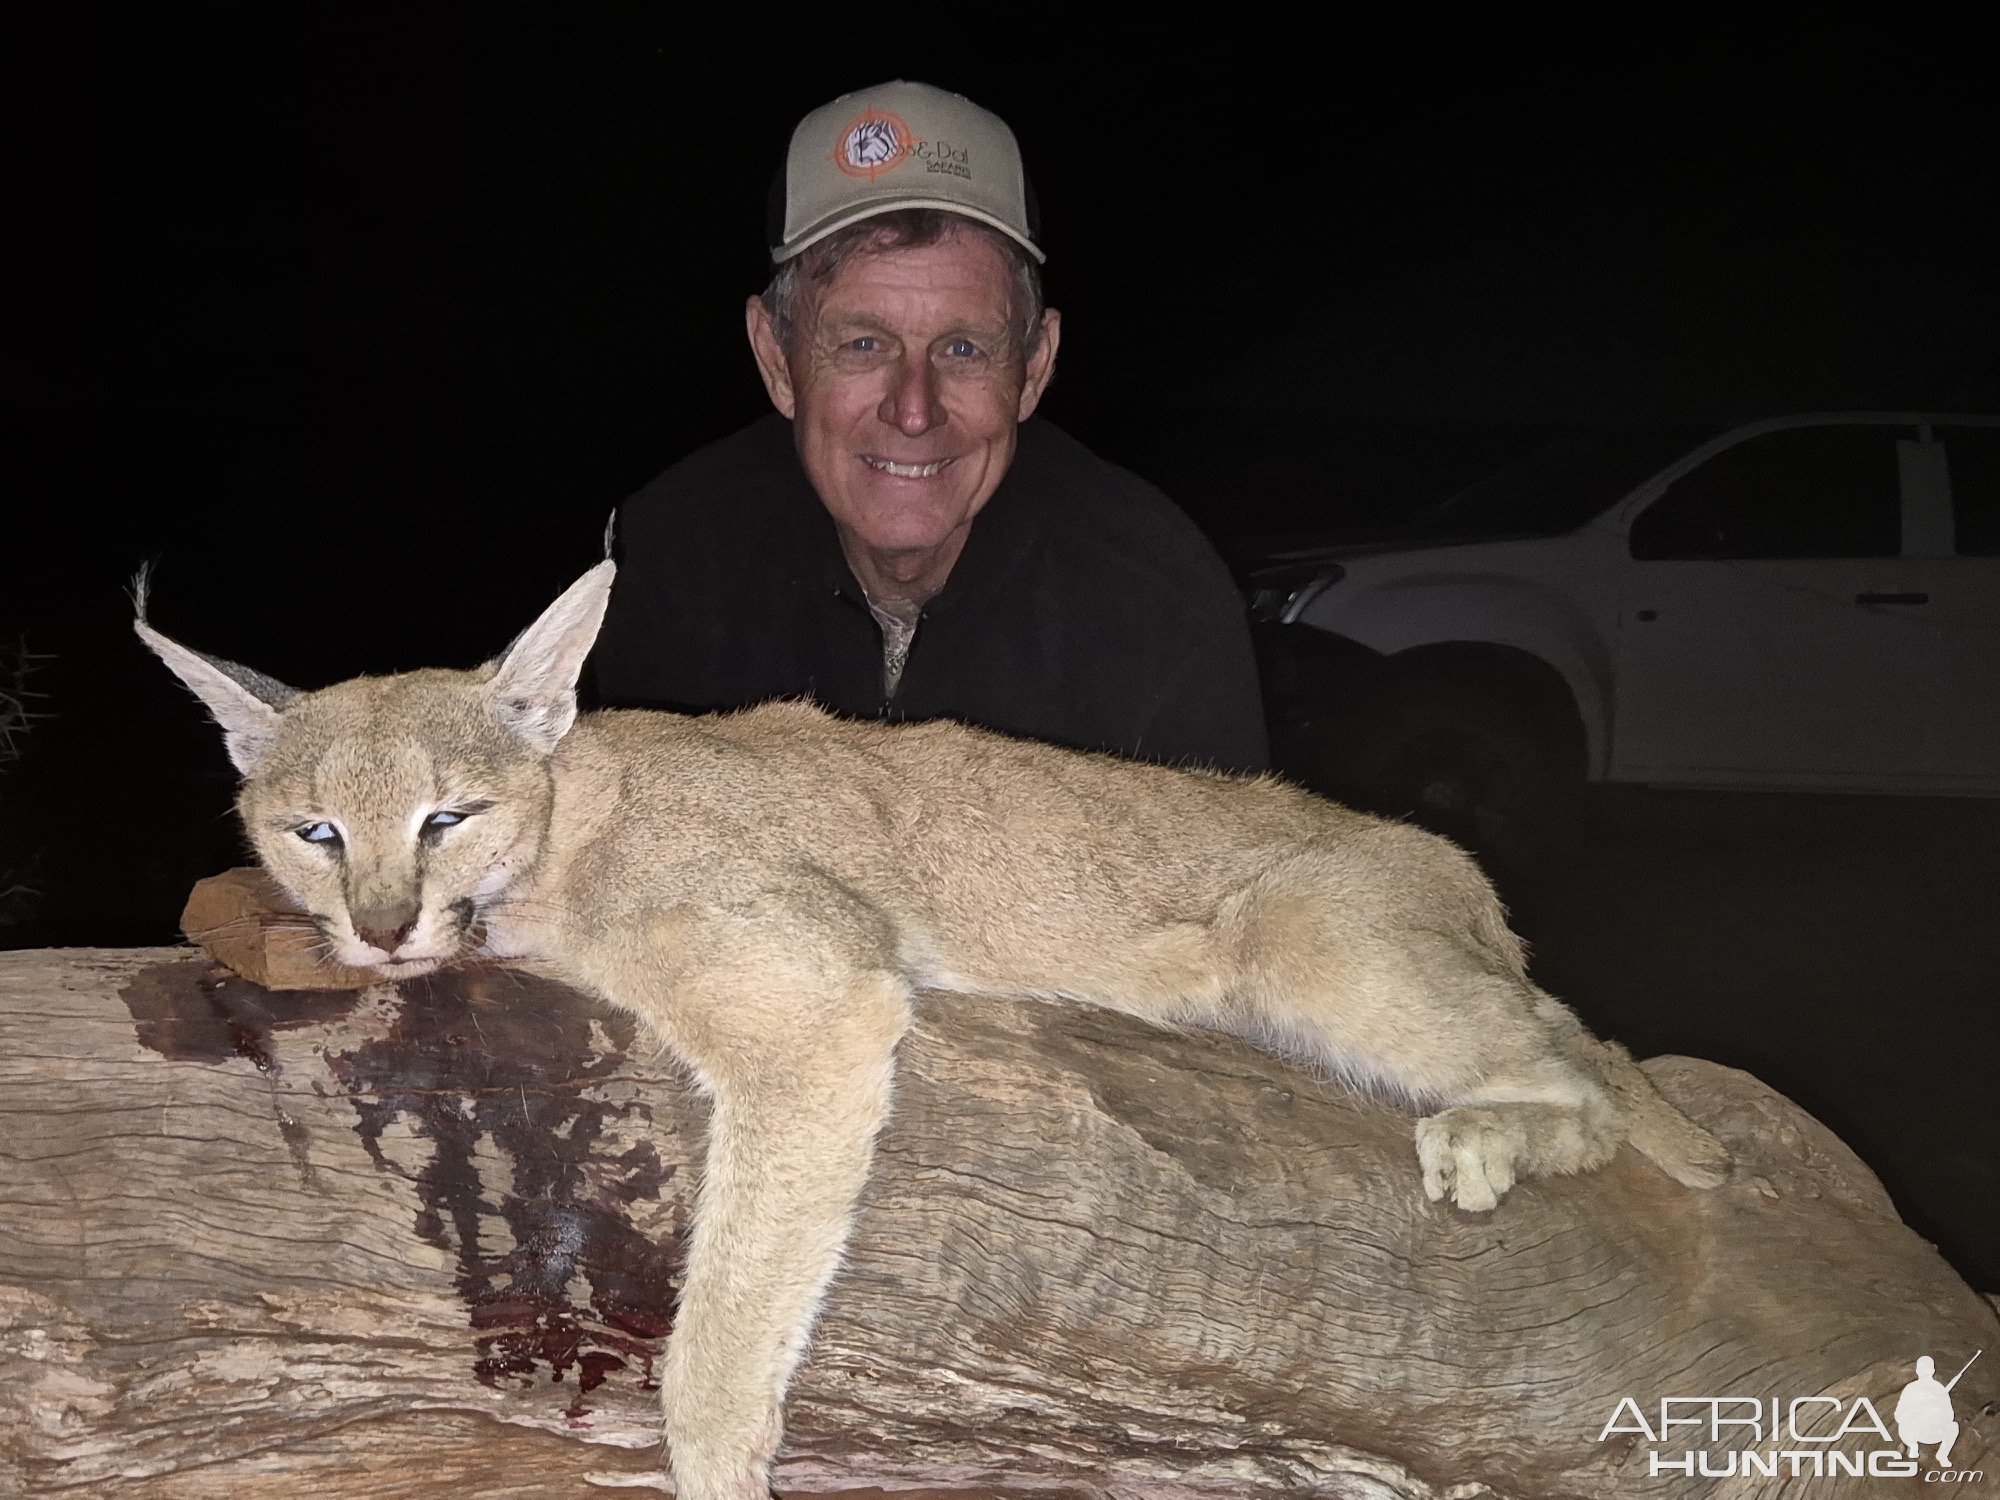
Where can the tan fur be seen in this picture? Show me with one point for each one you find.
(765, 889)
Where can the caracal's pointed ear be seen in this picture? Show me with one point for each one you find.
(245, 703)
(534, 684)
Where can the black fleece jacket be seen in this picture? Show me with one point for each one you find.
(1085, 608)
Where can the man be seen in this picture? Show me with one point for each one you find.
(900, 540)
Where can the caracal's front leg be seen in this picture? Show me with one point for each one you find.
(793, 1038)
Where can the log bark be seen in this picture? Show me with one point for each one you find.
(424, 1239)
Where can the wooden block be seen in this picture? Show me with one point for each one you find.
(243, 921)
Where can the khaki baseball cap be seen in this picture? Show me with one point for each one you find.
(901, 145)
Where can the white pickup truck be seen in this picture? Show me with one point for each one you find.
(1806, 603)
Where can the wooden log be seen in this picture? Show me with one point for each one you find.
(422, 1240)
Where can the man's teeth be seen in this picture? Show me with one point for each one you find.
(908, 471)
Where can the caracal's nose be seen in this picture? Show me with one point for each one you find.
(386, 927)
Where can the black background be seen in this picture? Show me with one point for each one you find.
(361, 320)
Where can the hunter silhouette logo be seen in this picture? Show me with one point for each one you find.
(1923, 1411)
(875, 143)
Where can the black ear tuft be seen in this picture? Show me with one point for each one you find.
(244, 702)
(142, 589)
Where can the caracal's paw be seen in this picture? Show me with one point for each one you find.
(1468, 1155)
(694, 1479)
(708, 1462)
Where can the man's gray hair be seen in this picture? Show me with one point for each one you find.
(793, 282)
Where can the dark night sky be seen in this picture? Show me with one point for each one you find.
(362, 319)
(466, 277)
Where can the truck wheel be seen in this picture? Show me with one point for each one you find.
(1471, 764)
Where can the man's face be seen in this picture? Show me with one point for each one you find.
(904, 383)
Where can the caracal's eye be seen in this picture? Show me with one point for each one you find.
(447, 817)
(319, 833)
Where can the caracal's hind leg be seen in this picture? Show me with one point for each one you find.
(1556, 1100)
(1510, 1099)
(1388, 962)
(791, 1032)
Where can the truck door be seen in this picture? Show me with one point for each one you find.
(1770, 633)
(1963, 580)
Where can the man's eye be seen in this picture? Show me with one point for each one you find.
(864, 345)
(319, 833)
(962, 349)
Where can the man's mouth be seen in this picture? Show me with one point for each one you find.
(907, 471)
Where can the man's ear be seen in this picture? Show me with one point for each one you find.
(1041, 364)
(533, 686)
(244, 702)
(771, 361)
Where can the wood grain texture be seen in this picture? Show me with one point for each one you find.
(423, 1240)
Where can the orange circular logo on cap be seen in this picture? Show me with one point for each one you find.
(874, 143)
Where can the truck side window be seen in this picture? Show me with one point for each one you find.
(1798, 492)
(1973, 454)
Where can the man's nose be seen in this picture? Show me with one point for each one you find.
(911, 405)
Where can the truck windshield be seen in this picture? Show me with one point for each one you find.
(1562, 484)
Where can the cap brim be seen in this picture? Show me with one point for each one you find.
(805, 240)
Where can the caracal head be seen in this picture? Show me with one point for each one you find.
(399, 811)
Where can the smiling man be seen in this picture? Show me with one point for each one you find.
(900, 539)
